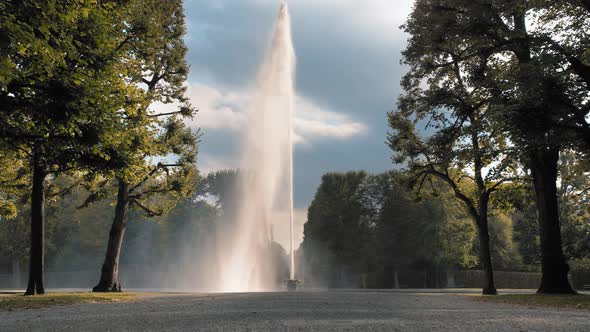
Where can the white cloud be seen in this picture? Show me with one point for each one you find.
(208, 163)
(312, 122)
(226, 111)
(216, 110)
(374, 18)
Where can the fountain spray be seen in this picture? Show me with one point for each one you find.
(266, 184)
(292, 282)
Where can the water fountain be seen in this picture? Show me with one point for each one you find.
(266, 185)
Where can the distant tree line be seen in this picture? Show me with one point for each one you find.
(377, 231)
(178, 250)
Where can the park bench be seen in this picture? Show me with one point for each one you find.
(586, 287)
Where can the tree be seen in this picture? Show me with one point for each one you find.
(156, 61)
(61, 216)
(14, 234)
(537, 97)
(222, 186)
(526, 228)
(13, 184)
(429, 232)
(544, 117)
(375, 228)
(562, 29)
(574, 204)
(504, 249)
(337, 226)
(459, 144)
(59, 93)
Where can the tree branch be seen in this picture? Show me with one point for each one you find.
(64, 191)
(497, 185)
(152, 173)
(148, 211)
(164, 114)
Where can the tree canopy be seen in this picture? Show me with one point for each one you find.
(531, 78)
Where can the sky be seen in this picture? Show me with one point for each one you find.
(348, 74)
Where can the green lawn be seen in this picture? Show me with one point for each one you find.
(19, 301)
(560, 301)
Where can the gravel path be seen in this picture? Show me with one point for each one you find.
(301, 311)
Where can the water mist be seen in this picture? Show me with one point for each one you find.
(266, 184)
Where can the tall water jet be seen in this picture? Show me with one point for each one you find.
(266, 184)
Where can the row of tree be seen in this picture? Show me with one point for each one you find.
(376, 231)
(78, 84)
(495, 92)
(181, 250)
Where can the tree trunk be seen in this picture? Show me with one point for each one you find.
(485, 255)
(36, 268)
(554, 267)
(109, 278)
(543, 165)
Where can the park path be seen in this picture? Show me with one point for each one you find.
(300, 311)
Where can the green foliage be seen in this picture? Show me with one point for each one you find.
(445, 126)
(459, 143)
(520, 70)
(68, 229)
(13, 184)
(517, 51)
(14, 236)
(526, 231)
(504, 248)
(580, 264)
(574, 204)
(430, 231)
(371, 225)
(153, 151)
(337, 217)
(222, 186)
(60, 88)
(72, 101)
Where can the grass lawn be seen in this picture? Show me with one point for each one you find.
(19, 301)
(560, 301)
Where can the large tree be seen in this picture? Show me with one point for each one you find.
(562, 26)
(60, 93)
(536, 90)
(457, 144)
(157, 64)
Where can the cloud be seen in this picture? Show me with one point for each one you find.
(208, 163)
(312, 123)
(227, 111)
(375, 16)
(348, 50)
(216, 109)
